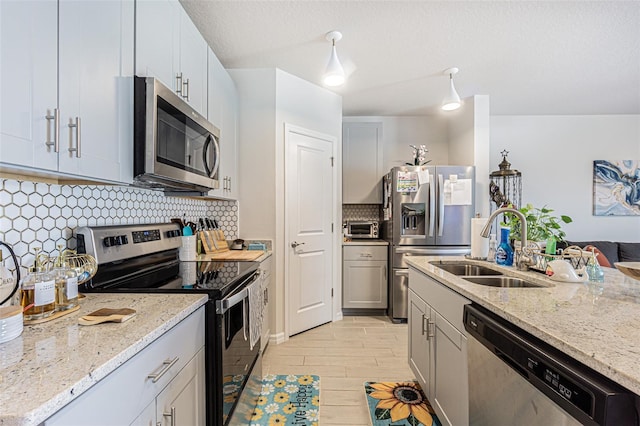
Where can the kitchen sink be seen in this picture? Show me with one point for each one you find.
(501, 281)
(464, 269)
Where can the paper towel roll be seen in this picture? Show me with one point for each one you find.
(188, 249)
(479, 244)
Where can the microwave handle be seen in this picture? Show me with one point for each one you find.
(211, 172)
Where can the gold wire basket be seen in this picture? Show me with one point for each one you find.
(84, 265)
(575, 255)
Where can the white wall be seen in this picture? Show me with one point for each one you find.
(269, 98)
(458, 137)
(555, 155)
(468, 135)
(400, 132)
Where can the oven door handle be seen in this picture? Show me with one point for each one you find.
(224, 305)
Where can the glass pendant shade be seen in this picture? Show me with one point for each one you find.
(334, 74)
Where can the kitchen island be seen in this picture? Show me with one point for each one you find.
(598, 330)
(53, 363)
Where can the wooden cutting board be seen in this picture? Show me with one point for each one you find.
(232, 255)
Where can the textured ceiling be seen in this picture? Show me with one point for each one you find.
(530, 57)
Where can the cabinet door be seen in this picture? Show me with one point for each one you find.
(147, 417)
(362, 163)
(365, 284)
(181, 403)
(28, 82)
(96, 88)
(449, 386)
(193, 64)
(223, 113)
(419, 349)
(265, 265)
(158, 40)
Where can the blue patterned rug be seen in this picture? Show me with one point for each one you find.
(399, 404)
(288, 400)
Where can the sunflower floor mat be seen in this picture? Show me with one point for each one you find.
(399, 404)
(288, 400)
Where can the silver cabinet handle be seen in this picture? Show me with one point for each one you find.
(229, 181)
(172, 414)
(179, 83)
(185, 89)
(423, 325)
(384, 272)
(430, 328)
(78, 146)
(401, 273)
(365, 254)
(166, 365)
(56, 129)
(296, 244)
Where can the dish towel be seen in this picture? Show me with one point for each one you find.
(255, 312)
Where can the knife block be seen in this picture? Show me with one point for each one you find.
(213, 241)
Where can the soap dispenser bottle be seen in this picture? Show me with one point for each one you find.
(38, 291)
(66, 282)
(504, 252)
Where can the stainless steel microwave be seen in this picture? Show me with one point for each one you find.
(365, 229)
(175, 148)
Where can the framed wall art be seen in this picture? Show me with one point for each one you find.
(616, 188)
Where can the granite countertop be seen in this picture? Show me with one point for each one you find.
(365, 243)
(599, 330)
(52, 363)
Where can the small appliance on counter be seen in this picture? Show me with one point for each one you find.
(362, 229)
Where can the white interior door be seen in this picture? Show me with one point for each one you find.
(309, 215)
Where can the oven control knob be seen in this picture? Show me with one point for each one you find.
(173, 233)
(124, 239)
(109, 241)
(120, 240)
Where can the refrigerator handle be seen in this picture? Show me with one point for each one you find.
(432, 204)
(440, 205)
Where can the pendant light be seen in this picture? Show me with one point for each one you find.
(452, 100)
(334, 73)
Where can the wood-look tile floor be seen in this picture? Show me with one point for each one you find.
(345, 354)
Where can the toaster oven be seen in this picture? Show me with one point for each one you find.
(365, 229)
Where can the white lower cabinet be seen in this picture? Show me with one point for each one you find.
(161, 385)
(438, 347)
(364, 277)
(266, 266)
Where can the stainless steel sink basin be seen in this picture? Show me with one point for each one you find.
(463, 269)
(501, 281)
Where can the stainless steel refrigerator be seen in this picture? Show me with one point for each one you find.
(427, 210)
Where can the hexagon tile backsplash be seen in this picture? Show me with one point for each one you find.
(44, 215)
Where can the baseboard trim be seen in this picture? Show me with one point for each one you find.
(277, 338)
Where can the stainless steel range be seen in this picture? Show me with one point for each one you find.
(144, 259)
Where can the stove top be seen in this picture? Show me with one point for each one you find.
(144, 258)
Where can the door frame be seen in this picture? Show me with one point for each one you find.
(336, 218)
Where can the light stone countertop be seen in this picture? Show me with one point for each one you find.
(52, 363)
(365, 243)
(599, 331)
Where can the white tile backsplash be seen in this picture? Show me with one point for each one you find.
(43, 215)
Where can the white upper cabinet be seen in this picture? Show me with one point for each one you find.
(362, 163)
(223, 113)
(170, 48)
(96, 87)
(28, 83)
(77, 121)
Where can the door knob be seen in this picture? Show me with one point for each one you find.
(296, 244)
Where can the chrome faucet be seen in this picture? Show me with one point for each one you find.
(522, 261)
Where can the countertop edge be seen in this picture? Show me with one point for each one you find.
(593, 361)
(74, 390)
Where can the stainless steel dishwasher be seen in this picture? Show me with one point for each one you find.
(515, 378)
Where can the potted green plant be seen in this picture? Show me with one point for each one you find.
(541, 224)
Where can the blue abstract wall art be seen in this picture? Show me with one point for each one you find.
(616, 188)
